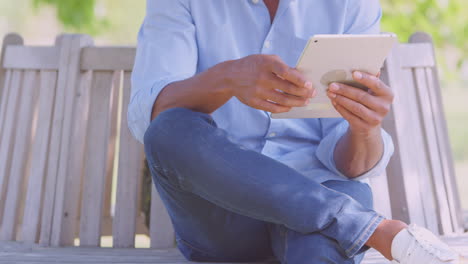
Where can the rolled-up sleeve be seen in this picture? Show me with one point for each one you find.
(363, 17)
(166, 52)
(333, 130)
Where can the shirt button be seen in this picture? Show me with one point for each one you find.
(267, 44)
(272, 134)
(255, 1)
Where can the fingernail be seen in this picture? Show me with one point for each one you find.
(314, 93)
(334, 87)
(332, 95)
(308, 85)
(357, 75)
(334, 103)
(307, 102)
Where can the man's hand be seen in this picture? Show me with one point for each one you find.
(265, 82)
(361, 147)
(363, 110)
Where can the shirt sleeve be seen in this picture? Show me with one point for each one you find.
(166, 52)
(363, 17)
(333, 130)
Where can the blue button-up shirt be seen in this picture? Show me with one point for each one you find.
(180, 38)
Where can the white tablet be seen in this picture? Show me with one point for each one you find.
(333, 58)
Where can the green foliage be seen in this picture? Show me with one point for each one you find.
(445, 20)
(76, 15)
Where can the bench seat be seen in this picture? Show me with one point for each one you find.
(15, 252)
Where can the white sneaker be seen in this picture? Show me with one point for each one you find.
(417, 245)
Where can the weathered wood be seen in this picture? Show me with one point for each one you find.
(416, 55)
(54, 147)
(161, 230)
(4, 99)
(108, 58)
(8, 134)
(446, 159)
(19, 155)
(106, 221)
(10, 39)
(430, 155)
(31, 58)
(130, 166)
(95, 159)
(71, 73)
(435, 178)
(5, 87)
(395, 169)
(35, 190)
(76, 161)
(21, 253)
(381, 195)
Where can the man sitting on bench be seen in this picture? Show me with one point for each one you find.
(238, 185)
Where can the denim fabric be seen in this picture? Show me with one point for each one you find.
(229, 203)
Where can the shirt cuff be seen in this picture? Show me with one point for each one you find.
(326, 149)
(141, 106)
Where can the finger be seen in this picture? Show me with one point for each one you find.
(358, 95)
(292, 75)
(289, 88)
(364, 113)
(284, 99)
(352, 119)
(269, 106)
(373, 83)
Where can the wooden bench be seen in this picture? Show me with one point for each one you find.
(64, 143)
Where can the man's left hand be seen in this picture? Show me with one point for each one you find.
(363, 110)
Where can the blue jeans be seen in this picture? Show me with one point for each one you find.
(231, 204)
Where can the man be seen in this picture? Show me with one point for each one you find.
(238, 185)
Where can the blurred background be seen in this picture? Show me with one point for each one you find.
(116, 22)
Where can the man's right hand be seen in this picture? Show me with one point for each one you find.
(266, 83)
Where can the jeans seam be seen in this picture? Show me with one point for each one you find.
(363, 234)
(183, 241)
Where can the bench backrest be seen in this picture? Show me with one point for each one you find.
(64, 141)
(421, 177)
(63, 108)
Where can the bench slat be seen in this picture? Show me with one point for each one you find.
(31, 58)
(4, 99)
(8, 134)
(55, 141)
(111, 154)
(161, 230)
(108, 58)
(403, 181)
(416, 55)
(445, 158)
(19, 155)
(381, 195)
(71, 74)
(10, 39)
(39, 149)
(70, 220)
(130, 167)
(417, 173)
(432, 152)
(95, 159)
